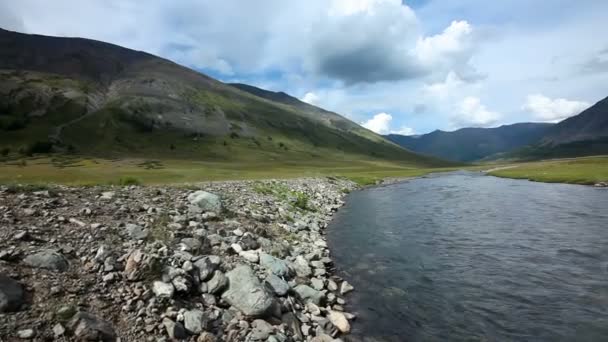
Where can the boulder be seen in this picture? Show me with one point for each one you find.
(217, 283)
(87, 327)
(206, 266)
(275, 265)
(162, 289)
(206, 201)
(307, 293)
(11, 294)
(338, 319)
(261, 330)
(278, 285)
(246, 293)
(195, 321)
(301, 267)
(346, 288)
(175, 330)
(48, 259)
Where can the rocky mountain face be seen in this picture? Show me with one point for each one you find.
(102, 99)
(233, 261)
(471, 144)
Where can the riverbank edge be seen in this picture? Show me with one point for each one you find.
(252, 210)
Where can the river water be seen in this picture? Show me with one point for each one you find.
(468, 257)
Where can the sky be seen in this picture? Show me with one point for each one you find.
(405, 67)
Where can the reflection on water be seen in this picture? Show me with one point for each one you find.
(466, 257)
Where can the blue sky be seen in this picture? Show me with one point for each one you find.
(394, 66)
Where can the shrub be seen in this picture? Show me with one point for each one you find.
(39, 147)
(5, 151)
(234, 135)
(301, 201)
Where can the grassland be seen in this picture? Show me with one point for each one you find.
(79, 170)
(584, 170)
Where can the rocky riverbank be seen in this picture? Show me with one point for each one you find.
(229, 261)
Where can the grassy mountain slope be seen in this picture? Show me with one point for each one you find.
(585, 134)
(101, 99)
(470, 144)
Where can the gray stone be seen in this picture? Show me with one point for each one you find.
(246, 293)
(58, 330)
(11, 294)
(261, 330)
(275, 265)
(251, 256)
(162, 289)
(317, 284)
(206, 266)
(136, 232)
(217, 283)
(206, 201)
(48, 259)
(26, 334)
(338, 319)
(293, 324)
(195, 321)
(87, 327)
(191, 245)
(301, 267)
(331, 285)
(175, 330)
(307, 293)
(346, 287)
(278, 285)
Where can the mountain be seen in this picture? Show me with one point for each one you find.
(470, 144)
(585, 134)
(101, 99)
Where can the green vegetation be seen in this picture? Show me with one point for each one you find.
(587, 170)
(298, 199)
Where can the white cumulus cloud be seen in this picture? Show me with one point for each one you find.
(553, 110)
(472, 113)
(310, 98)
(381, 124)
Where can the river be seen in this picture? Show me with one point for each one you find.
(468, 257)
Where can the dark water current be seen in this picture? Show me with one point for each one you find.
(467, 257)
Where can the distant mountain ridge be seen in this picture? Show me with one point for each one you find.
(471, 144)
(103, 99)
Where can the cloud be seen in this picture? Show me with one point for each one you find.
(553, 110)
(310, 98)
(472, 113)
(8, 20)
(381, 124)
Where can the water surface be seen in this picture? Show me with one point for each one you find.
(467, 257)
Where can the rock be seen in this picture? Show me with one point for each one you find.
(206, 337)
(181, 284)
(246, 293)
(346, 288)
(205, 201)
(191, 245)
(162, 289)
(11, 294)
(65, 312)
(317, 284)
(322, 338)
(293, 324)
(217, 283)
(261, 330)
(274, 265)
(194, 321)
(236, 248)
(238, 232)
(249, 242)
(313, 309)
(58, 330)
(338, 319)
(136, 232)
(132, 266)
(331, 285)
(278, 285)
(175, 330)
(251, 256)
(47, 259)
(306, 293)
(301, 267)
(26, 334)
(324, 326)
(107, 196)
(87, 327)
(206, 266)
